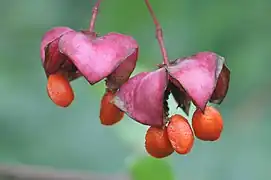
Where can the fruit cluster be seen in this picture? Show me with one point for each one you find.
(201, 78)
(178, 135)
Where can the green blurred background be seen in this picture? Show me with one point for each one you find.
(34, 131)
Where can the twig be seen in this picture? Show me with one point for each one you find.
(159, 33)
(95, 11)
(24, 172)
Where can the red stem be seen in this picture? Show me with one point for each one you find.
(94, 15)
(159, 33)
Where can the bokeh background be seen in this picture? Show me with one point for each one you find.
(34, 131)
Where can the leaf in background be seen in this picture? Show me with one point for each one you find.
(148, 168)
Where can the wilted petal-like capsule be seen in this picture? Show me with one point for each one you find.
(142, 97)
(112, 56)
(199, 78)
(199, 75)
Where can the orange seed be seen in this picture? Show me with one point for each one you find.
(207, 126)
(109, 113)
(180, 134)
(157, 143)
(59, 90)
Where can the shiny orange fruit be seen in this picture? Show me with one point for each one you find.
(109, 113)
(157, 143)
(180, 134)
(59, 90)
(207, 125)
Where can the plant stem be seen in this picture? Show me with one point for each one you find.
(94, 15)
(159, 33)
(25, 172)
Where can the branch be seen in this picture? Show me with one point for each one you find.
(95, 11)
(24, 172)
(159, 33)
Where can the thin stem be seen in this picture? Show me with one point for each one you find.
(25, 172)
(94, 15)
(159, 33)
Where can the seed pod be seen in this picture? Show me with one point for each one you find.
(207, 125)
(109, 113)
(165, 103)
(180, 134)
(157, 143)
(59, 90)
